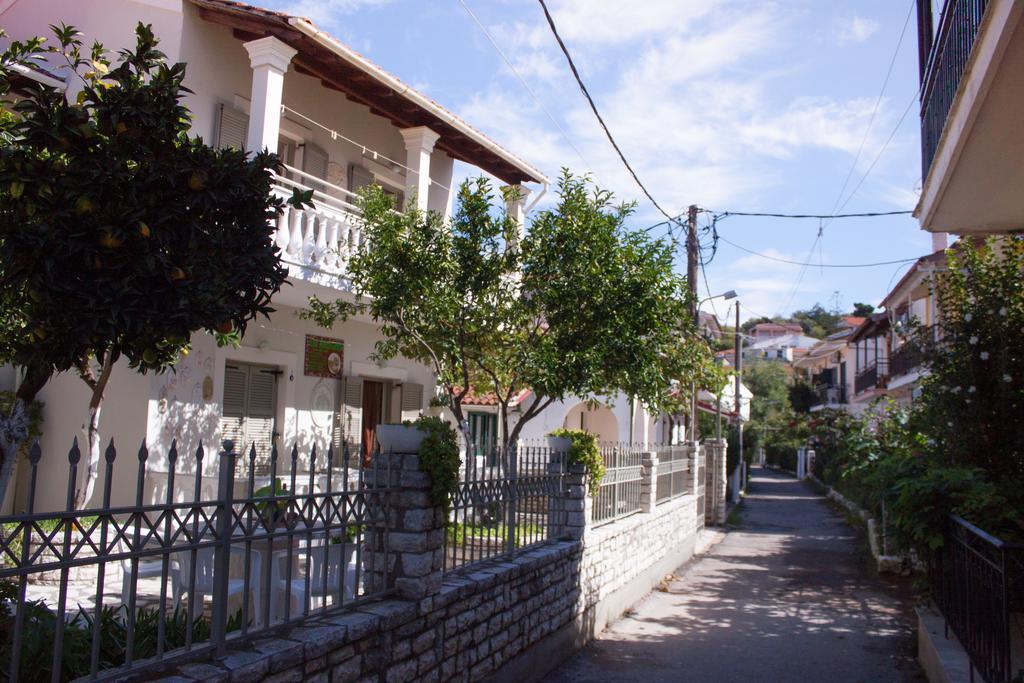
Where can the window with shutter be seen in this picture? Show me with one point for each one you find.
(314, 162)
(359, 177)
(248, 411)
(412, 400)
(232, 127)
(352, 411)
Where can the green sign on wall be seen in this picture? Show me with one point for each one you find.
(325, 357)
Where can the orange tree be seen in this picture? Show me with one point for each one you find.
(120, 235)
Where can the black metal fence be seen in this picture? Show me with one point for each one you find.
(977, 582)
(951, 50)
(869, 378)
(502, 503)
(905, 359)
(619, 492)
(675, 467)
(128, 586)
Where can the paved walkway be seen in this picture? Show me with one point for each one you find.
(785, 597)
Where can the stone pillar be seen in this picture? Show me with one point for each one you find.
(269, 58)
(419, 144)
(408, 553)
(569, 512)
(649, 482)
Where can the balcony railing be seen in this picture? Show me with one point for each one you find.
(323, 236)
(830, 394)
(950, 52)
(904, 360)
(869, 378)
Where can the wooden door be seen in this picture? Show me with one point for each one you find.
(373, 404)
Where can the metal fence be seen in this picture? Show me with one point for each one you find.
(950, 52)
(130, 584)
(619, 492)
(977, 582)
(675, 465)
(502, 503)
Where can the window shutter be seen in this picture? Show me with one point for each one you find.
(232, 422)
(259, 419)
(232, 128)
(358, 177)
(412, 400)
(314, 162)
(352, 412)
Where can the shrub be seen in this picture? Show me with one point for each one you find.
(584, 451)
(439, 457)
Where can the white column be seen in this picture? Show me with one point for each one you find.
(516, 208)
(419, 143)
(269, 58)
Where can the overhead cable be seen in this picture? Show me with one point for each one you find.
(600, 120)
(515, 72)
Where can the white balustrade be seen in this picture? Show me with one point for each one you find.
(322, 235)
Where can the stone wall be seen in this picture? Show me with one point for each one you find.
(506, 620)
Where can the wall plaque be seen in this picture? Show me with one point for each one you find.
(325, 357)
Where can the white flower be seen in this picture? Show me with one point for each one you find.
(1007, 378)
(968, 317)
(973, 340)
(956, 390)
(984, 355)
(950, 423)
(1003, 311)
(971, 389)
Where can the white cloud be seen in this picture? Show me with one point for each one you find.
(851, 30)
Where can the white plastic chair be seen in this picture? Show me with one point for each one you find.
(204, 577)
(321, 557)
(147, 569)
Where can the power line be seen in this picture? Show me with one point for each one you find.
(593, 107)
(880, 151)
(826, 216)
(515, 72)
(874, 111)
(824, 265)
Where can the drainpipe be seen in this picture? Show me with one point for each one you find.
(543, 191)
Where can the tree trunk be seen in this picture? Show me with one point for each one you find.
(14, 425)
(84, 493)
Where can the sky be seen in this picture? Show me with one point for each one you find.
(732, 105)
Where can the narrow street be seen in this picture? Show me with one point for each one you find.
(784, 597)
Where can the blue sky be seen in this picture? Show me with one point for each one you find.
(728, 104)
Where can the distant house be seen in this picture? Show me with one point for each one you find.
(763, 331)
(783, 347)
(828, 367)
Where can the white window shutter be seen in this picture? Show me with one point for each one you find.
(314, 161)
(412, 400)
(232, 127)
(352, 412)
(358, 177)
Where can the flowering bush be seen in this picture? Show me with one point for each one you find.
(972, 403)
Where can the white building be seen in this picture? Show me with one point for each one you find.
(263, 79)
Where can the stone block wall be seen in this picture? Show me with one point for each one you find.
(511, 619)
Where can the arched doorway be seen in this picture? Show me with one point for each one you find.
(598, 420)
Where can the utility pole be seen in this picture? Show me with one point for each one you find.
(739, 378)
(692, 255)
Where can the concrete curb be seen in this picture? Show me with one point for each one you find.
(886, 564)
(943, 659)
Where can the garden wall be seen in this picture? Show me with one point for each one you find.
(512, 619)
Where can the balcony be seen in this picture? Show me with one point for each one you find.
(317, 242)
(971, 99)
(958, 28)
(904, 360)
(830, 395)
(871, 377)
